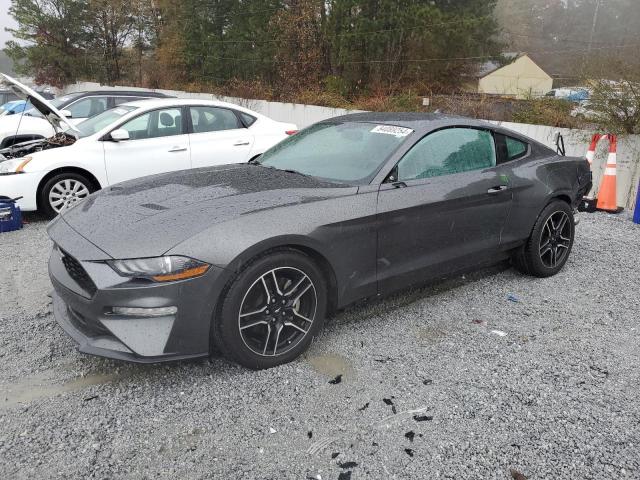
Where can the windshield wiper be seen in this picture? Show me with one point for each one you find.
(295, 171)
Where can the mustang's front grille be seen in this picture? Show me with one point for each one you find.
(77, 273)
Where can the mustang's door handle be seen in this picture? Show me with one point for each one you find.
(241, 143)
(498, 189)
(177, 149)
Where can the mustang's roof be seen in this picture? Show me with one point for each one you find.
(426, 122)
(414, 120)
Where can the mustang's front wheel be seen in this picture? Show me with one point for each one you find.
(272, 310)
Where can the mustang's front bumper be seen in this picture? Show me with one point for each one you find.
(86, 290)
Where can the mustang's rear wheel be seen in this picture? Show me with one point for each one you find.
(550, 243)
(62, 191)
(272, 310)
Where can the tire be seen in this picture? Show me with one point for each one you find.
(67, 188)
(534, 257)
(255, 315)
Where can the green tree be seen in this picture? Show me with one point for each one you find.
(55, 37)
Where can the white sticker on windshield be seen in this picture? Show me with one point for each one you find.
(392, 130)
(119, 111)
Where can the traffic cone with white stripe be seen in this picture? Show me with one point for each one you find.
(588, 203)
(591, 153)
(607, 195)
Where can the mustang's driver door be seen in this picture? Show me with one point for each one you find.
(444, 208)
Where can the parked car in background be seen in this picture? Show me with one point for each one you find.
(132, 140)
(15, 106)
(76, 107)
(9, 100)
(249, 259)
(7, 96)
(572, 94)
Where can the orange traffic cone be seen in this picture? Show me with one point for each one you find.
(591, 153)
(607, 196)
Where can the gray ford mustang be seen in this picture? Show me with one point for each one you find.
(250, 259)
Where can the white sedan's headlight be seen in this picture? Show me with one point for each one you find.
(15, 165)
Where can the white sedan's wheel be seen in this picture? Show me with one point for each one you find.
(63, 191)
(66, 193)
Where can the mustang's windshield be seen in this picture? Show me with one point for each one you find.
(104, 119)
(350, 152)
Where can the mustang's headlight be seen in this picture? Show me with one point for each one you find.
(15, 165)
(160, 269)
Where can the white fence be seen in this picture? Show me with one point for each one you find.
(576, 141)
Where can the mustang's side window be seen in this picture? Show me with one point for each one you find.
(515, 148)
(448, 151)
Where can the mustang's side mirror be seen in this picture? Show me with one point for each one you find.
(66, 113)
(119, 135)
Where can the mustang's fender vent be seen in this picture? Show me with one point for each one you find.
(78, 273)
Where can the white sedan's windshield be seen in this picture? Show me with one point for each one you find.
(97, 123)
(349, 152)
(56, 102)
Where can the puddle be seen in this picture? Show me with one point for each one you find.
(331, 365)
(39, 386)
(430, 334)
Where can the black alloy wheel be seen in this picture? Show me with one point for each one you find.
(549, 245)
(271, 310)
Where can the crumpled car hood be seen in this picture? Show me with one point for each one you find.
(147, 217)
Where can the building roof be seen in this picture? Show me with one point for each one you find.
(491, 66)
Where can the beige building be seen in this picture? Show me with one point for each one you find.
(521, 78)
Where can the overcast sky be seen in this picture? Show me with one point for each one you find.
(5, 21)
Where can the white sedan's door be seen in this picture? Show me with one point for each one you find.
(157, 143)
(218, 137)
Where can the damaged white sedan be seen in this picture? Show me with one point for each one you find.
(132, 140)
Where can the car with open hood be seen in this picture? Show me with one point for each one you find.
(249, 259)
(134, 139)
(75, 107)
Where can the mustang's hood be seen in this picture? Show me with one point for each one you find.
(147, 217)
(51, 113)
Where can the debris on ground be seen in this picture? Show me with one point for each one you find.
(383, 360)
(500, 333)
(516, 475)
(310, 434)
(335, 455)
(336, 380)
(422, 418)
(344, 476)
(409, 452)
(600, 370)
(410, 435)
(272, 430)
(347, 465)
(513, 298)
(364, 407)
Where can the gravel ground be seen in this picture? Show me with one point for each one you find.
(448, 381)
